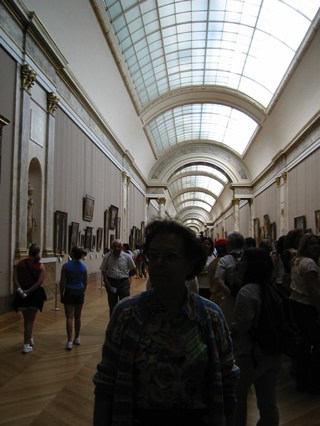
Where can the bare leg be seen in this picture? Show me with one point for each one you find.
(68, 309)
(29, 317)
(77, 320)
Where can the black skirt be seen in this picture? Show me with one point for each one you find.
(33, 300)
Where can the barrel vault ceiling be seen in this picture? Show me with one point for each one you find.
(202, 75)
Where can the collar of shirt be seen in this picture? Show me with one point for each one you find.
(188, 308)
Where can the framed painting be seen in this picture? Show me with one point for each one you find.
(106, 230)
(113, 217)
(266, 226)
(273, 232)
(57, 221)
(82, 240)
(88, 208)
(60, 232)
(300, 223)
(256, 230)
(261, 236)
(317, 219)
(93, 243)
(99, 238)
(111, 240)
(74, 235)
(88, 238)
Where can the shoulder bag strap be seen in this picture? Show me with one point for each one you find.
(29, 270)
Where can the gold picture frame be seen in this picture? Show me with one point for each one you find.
(60, 233)
(317, 221)
(74, 235)
(300, 223)
(88, 208)
(256, 230)
(99, 238)
(113, 217)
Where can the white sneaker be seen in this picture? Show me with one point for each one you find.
(26, 349)
(31, 343)
(69, 346)
(76, 341)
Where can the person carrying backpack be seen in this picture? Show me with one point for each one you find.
(258, 366)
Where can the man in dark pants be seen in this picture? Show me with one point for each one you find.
(117, 267)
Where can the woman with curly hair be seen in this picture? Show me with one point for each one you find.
(167, 356)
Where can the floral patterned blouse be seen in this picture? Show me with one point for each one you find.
(148, 362)
(171, 363)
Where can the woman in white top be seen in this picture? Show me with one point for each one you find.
(203, 279)
(305, 294)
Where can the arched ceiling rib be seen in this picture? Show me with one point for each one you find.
(202, 75)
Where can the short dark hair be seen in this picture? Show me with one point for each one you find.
(78, 252)
(193, 247)
(250, 242)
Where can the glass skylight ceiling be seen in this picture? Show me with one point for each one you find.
(246, 45)
(209, 122)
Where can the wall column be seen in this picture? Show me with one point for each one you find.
(251, 232)
(146, 214)
(123, 206)
(52, 104)
(28, 78)
(3, 122)
(236, 214)
(283, 204)
(162, 203)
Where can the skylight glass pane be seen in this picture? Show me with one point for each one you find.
(249, 44)
(212, 122)
(194, 195)
(195, 204)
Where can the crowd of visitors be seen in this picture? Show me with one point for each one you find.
(185, 350)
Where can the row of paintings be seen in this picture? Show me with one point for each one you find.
(269, 231)
(88, 210)
(69, 235)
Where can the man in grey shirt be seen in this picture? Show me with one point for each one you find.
(117, 267)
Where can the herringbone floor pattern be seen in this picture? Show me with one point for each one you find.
(52, 386)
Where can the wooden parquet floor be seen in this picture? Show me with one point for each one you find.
(51, 386)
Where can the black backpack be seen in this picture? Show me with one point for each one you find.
(276, 331)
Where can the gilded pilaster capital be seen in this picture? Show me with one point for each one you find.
(28, 77)
(161, 201)
(278, 180)
(284, 176)
(236, 201)
(52, 102)
(124, 176)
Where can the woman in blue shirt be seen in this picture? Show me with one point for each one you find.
(73, 285)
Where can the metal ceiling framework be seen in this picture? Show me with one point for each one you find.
(202, 75)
